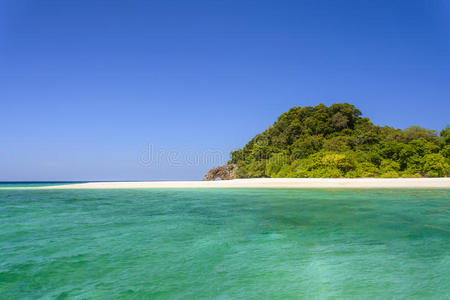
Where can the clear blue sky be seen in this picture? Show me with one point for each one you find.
(87, 85)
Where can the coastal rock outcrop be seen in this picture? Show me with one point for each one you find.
(225, 172)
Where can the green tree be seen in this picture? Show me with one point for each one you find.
(435, 165)
(417, 132)
(445, 134)
(336, 141)
(307, 145)
(275, 163)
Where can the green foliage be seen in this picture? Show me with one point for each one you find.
(336, 141)
(445, 151)
(389, 174)
(435, 165)
(363, 169)
(445, 134)
(275, 163)
(306, 145)
(388, 165)
(417, 132)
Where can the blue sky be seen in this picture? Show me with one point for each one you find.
(88, 87)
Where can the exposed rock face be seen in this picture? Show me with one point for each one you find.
(225, 172)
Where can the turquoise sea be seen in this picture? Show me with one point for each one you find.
(225, 244)
(18, 184)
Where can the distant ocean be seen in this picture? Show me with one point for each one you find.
(35, 183)
(224, 243)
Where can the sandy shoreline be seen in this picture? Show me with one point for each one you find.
(265, 183)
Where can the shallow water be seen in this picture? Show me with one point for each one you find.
(225, 244)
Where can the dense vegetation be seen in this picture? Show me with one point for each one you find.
(336, 141)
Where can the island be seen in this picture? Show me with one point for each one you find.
(337, 142)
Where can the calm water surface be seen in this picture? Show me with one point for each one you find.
(225, 244)
(18, 184)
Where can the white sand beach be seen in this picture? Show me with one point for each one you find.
(268, 183)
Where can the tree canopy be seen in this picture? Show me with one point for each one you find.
(336, 141)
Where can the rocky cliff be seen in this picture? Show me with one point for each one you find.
(225, 172)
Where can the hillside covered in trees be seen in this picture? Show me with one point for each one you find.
(336, 141)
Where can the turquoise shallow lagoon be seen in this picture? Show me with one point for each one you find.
(225, 244)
